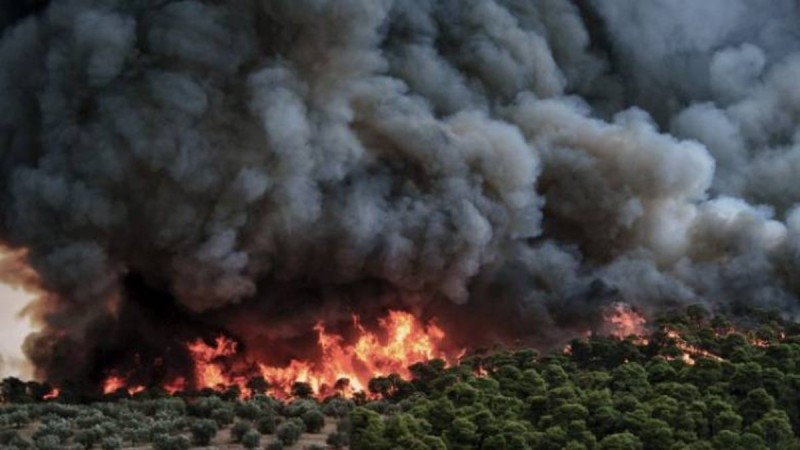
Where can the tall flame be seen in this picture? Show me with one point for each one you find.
(625, 321)
(345, 368)
(406, 341)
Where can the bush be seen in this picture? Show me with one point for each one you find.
(314, 447)
(299, 407)
(6, 436)
(48, 442)
(88, 438)
(314, 421)
(337, 439)
(267, 423)
(238, 430)
(277, 445)
(166, 442)
(251, 439)
(111, 443)
(289, 432)
(223, 416)
(247, 410)
(337, 407)
(203, 431)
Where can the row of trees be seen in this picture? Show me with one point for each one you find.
(165, 423)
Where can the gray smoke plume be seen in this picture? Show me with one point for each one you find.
(509, 166)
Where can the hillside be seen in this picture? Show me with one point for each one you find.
(694, 382)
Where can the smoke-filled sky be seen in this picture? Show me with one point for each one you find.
(508, 165)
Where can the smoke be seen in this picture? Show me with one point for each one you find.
(176, 168)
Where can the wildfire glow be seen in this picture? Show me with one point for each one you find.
(690, 352)
(114, 383)
(52, 394)
(400, 341)
(406, 342)
(625, 321)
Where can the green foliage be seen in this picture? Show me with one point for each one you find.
(167, 442)
(223, 416)
(267, 423)
(314, 421)
(695, 384)
(251, 439)
(277, 445)
(111, 443)
(238, 430)
(337, 440)
(203, 431)
(289, 432)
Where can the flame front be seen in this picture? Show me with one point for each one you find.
(406, 342)
(625, 321)
(344, 368)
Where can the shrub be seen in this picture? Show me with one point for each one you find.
(247, 410)
(48, 442)
(54, 426)
(289, 432)
(166, 442)
(337, 440)
(251, 439)
(223, 416)
(238, 430)
(111, 443)
(314, 421)
(277, 445)
(314, 447)
(337, 407)
(203, 431)
(266, 424)
(299, 407)
(6, 436)
(87, 438)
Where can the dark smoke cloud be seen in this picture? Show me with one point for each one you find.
(509, 166)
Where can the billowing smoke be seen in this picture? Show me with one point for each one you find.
(176, 168)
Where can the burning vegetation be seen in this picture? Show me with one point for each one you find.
(341, 367)
(690, 380)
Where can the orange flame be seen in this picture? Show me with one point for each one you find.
(342, 368)
(690, 352)
(114, 383)
(53, 394)
(625, 321)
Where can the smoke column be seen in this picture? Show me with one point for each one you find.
(175, 168)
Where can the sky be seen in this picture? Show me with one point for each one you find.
(13, 330)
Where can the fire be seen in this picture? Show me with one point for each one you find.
(625, 321)
(690, 352)
(208, 372)
(342, 368)
(407, 341)
(114, 383)
(53, 394)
